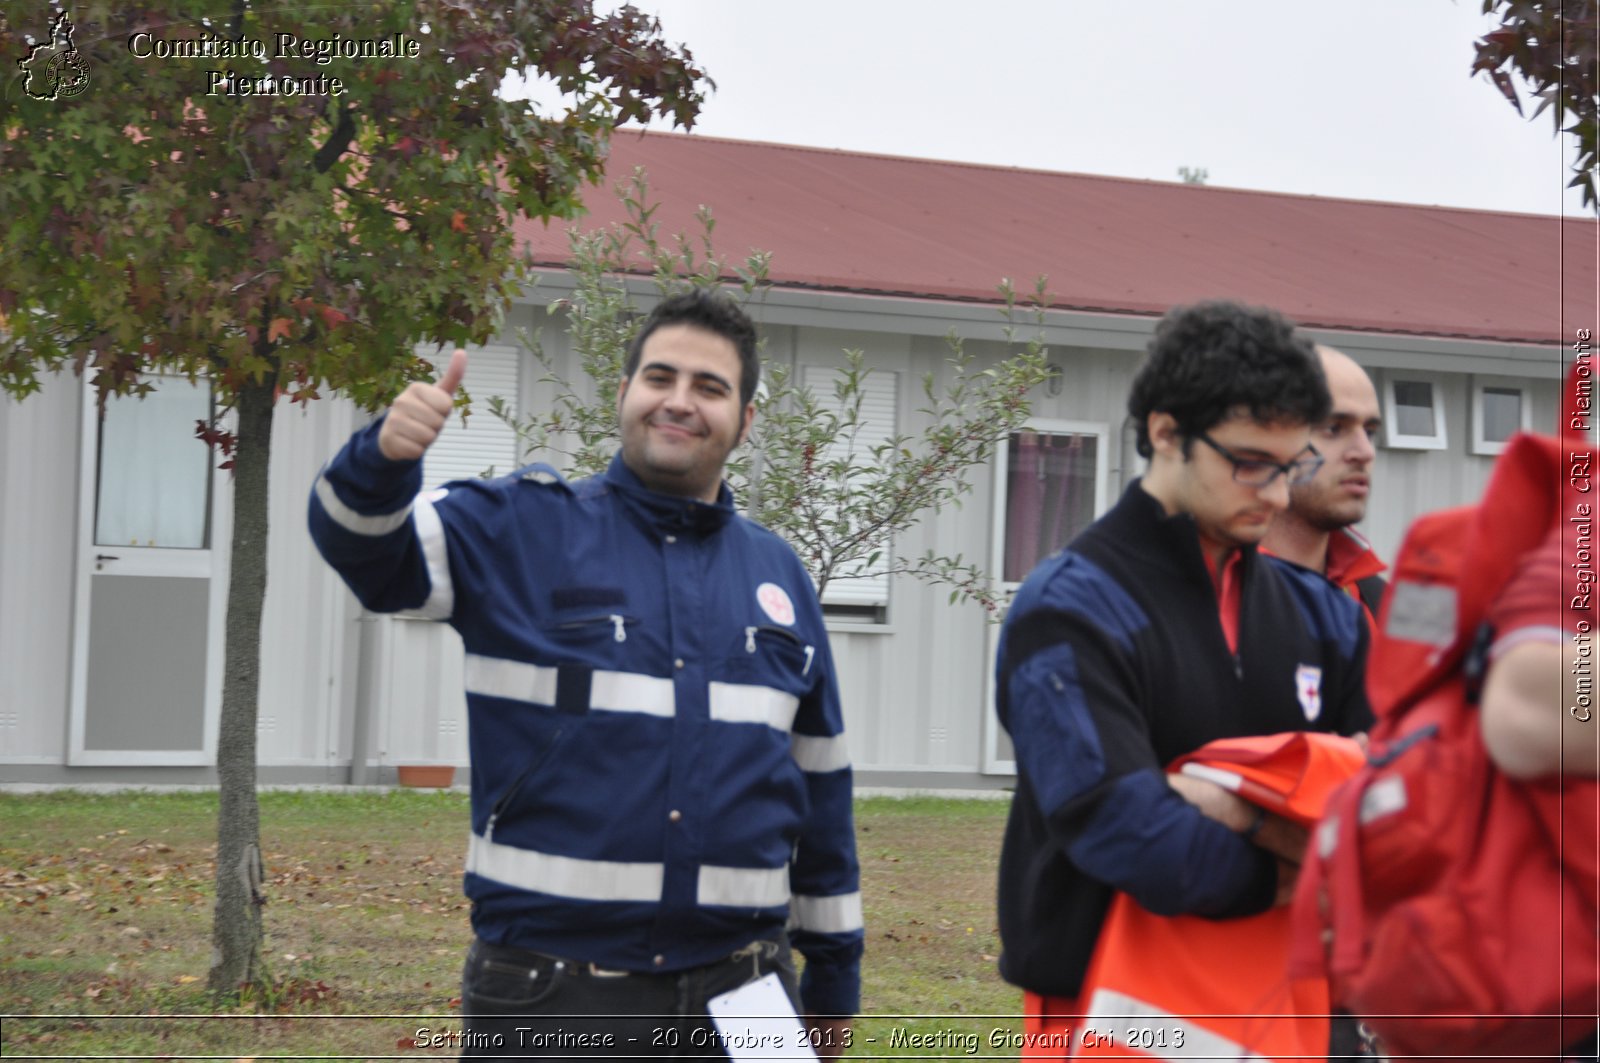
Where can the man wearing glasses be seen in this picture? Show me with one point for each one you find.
(1159, 629)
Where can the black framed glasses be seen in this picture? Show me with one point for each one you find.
(1259, 472)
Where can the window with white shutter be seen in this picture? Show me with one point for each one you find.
(465, 451)
(864, 594)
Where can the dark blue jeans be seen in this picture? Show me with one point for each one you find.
(521, 1004)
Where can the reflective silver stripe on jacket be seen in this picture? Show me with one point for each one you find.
(742, 887)
(350, 520)
(441, 601)
(820, 755)
(497, 677)
(633, 692)
(564, 876)
(839, 914)
(611, 880)
(748, 703)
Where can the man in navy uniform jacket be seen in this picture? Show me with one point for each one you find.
(659, 779)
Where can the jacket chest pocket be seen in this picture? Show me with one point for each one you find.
(599, 638)
(771, 656)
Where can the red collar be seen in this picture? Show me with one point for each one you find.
(1228, 595)
(1350, 559)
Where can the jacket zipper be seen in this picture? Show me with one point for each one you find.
(617, 621)
(516, 786)
(750, 642)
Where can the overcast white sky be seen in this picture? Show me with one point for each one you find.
(1368, 99)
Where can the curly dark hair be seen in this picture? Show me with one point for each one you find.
(1212, 359)
(714, 311)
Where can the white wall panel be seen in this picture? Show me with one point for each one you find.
(39, 441)
(303, 711)
(421, 695)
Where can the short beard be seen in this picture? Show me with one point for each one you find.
(1324, 518)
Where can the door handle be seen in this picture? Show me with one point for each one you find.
(107, 557)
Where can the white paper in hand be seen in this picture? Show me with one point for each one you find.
(756, 1021)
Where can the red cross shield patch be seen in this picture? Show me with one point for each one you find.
(1308, 688)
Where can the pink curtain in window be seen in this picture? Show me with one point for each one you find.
(1024, 503)
(1050, 496)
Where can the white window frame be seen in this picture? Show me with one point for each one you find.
(1393, 437)
(993, 764)
(1481, 444)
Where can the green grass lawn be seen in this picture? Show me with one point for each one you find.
(105, 917)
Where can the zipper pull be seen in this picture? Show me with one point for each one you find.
(617, 621)
(488, 828)
(810, 652)
(749, 640)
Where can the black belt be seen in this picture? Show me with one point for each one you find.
(753, 953)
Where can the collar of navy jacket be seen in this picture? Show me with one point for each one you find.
(669, 511)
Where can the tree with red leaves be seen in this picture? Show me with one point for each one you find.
(286, 200)
(1553, 48)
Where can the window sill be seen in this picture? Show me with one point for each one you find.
(856, 627)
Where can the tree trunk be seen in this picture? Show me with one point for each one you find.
(236, 926)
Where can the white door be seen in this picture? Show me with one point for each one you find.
(146, 654)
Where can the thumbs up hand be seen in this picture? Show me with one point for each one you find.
(418, 415)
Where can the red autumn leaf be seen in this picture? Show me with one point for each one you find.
(458, 222)
(279, 329)
(331, 318)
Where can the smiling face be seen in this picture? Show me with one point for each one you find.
(1337, 496)
(680, 411)
(1227, 514)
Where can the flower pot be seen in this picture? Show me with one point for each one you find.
(427, 774)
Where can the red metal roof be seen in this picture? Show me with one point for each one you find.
(883, 225)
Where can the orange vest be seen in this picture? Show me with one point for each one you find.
(1185, 987)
